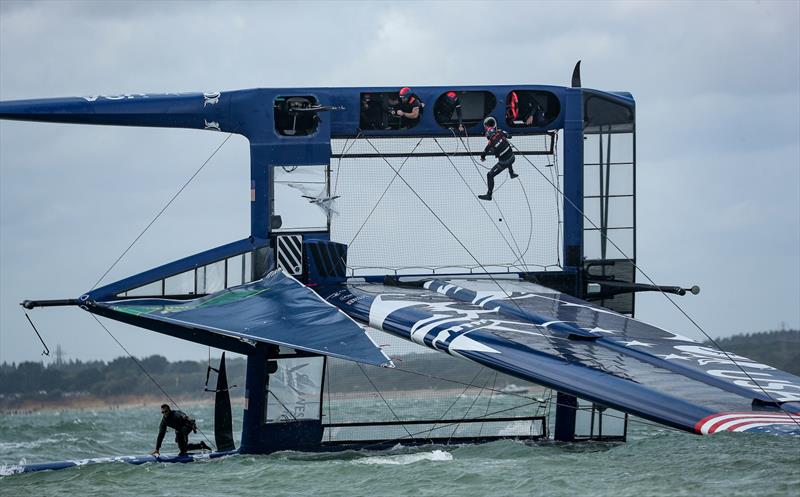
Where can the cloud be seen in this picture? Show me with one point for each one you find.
(717, 95)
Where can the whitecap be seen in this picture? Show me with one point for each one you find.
(436, 455)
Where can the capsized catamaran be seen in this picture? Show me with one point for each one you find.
(448, 274)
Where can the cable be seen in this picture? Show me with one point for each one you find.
(503, 216)
(491, 218)
(546, 332)
(164, 208)
(397, 174)
(686, 315)
(377, 390)
(174, 402)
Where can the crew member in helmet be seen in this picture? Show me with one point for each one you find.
(410, 108)
(446, 106)
(501, 148)
(183, 425)
(524, 110)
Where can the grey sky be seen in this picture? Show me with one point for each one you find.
(718, 106)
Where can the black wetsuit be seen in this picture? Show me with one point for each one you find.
(501, 148)
(520, 108)
(408, 105)
(183, 425)
(445, 108)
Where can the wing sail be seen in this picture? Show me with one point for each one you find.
(576, 348)
(276, 309)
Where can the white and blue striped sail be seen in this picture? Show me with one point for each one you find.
(545, 337)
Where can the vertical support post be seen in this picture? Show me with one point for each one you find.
(256, 384)
(259, 192)
(566, 408)
(573, 181)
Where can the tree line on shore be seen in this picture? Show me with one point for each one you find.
(125, 376)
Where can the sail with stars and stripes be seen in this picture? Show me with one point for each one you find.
(540, 335)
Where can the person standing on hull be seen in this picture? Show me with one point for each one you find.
(183, 425)
(410, 108)
(501, 148)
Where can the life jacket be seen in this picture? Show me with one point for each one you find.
(499, 145)
(512, 110)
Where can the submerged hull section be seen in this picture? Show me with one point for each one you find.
(141, 459)
(536, 334)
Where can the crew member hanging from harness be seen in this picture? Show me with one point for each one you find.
(501, 148)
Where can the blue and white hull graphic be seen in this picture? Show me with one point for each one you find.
(560, 342)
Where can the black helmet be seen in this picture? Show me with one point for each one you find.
(489, 125)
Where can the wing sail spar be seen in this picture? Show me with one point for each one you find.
(276, 309)
(542, 336)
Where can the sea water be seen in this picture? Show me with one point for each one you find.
(654, 462)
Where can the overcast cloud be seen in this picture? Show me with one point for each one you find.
(717, 86)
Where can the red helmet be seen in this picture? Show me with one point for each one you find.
(451, 95)
(405, 93)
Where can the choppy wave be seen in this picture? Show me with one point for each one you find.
(655, 462)
(435, 455)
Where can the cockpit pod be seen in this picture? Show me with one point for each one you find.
(475, 106)
(531, 108)
(296, 115)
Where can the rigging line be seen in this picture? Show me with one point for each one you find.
(396, 175)
(165, 207)
(545, 331)
(489, 404)
(558, 198)
(46, 350)
(282, 404)
(434, 377)
(464, 417)
(383, 399)
(458, 397)
(345, 149)
(502, 215)
(175, 403)
(527, 200)
(486, 211)
(677, 306)
(548, 403)
(400, 439)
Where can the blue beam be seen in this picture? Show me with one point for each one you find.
(573, 180)
(181, 265)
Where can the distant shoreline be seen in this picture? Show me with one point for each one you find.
(91, 403)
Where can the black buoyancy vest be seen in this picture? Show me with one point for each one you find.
(499, 145)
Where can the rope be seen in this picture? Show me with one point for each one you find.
(377, 390)
(282, 404)
(545, 333)
(458, 398)
(174, 402)
(396, 175)
(677, 306)
(491, 218)
(466, 413)
(46, 350)
(164, 208)
(502, 215)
